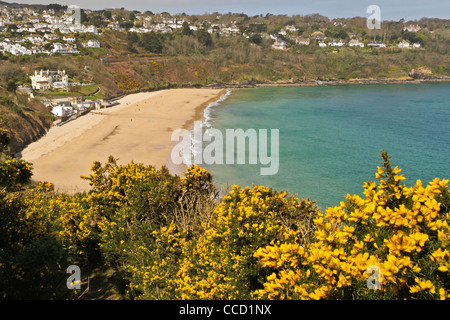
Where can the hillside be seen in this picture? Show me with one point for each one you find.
(25, 119)
(227, 50)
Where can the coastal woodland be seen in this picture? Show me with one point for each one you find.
(143, 233)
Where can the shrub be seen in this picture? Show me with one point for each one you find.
(401, 231)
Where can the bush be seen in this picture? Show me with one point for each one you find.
(401, 231)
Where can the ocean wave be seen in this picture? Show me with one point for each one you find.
(197, 145)
(208, 119)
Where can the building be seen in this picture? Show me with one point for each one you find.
(318, 35)
(403, 44)
(335, 43)
(302, 41)
(64, 108)
(416, 45)
(69, 39)
(62, 49)
(412, 28)
(280, 44)
(93, 43)
(376, 44)
(355, 43)
(45, 80)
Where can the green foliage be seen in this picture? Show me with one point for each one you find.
(204, 38)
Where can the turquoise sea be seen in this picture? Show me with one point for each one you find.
(330, 137)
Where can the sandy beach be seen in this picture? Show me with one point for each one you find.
(138, 129)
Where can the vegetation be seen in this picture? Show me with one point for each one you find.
(168, 237)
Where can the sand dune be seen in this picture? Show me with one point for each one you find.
(138, 129)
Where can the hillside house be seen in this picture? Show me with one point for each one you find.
(403, 44)
(69, 39)
(59, 48)
(45, 80)
(412, 28)
(51, 37)
(62, 109)
(318, 35)
(335, 43)
(302, 41)
(355, 43)
(376, 44)
(93, 43)
(280, 44)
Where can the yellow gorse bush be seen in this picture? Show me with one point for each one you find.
(170, 237)
(403, 231)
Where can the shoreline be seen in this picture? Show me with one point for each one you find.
(137, 130)
(330, 82)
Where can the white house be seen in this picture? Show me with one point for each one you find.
(45, 80)
(93, 43)
(35, 39)
(14, 49)
(302, 41)
(69, 39)
(280, 44)
(51, 36)
(62, 49)
(355, 43)
(91, 29)
(64, 108)
(412, 28)
(416, 45)
(403, 44)
(335, 43)
(322, 44)
(376, 44)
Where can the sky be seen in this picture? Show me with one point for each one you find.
(390, 9)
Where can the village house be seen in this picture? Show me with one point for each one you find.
(51, 36)
(322, 44)
(14, 49)
(403, 44)
(35, 39)
(317, 35)
(69, 39)
(62, 109)
(416, 45)
(302, 41)
(62, 49)
(45, 80)
(412, 28)
(93, 43)
(280, 44)
(335, 43)
(376, 44)
(355, 43)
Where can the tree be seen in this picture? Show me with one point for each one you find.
(186, 30)
(204, 37)
(255, 38)
(151, 42)
(11, 86)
